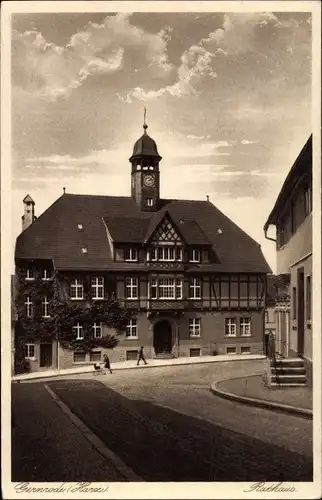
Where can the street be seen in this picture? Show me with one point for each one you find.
(166, 425)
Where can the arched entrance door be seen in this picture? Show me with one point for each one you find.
(162, 337)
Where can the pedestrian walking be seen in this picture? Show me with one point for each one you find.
(141, 356)
(107, 363)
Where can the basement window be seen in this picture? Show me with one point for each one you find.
(231, 350)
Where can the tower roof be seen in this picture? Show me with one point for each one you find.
(28, 199)
(145, 146)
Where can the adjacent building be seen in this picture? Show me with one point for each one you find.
(292, 217)
(194, 281)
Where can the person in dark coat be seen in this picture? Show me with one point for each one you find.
(141, 356)
(107, 363)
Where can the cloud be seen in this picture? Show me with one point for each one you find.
(105, 48)
(239, 32)
(195, 65)
(245, 141)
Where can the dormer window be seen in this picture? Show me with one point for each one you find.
(131, 255)
(149, 202)
(30, 274)
(194, 255)
(84, 250)
(80, 227)
(166, 253)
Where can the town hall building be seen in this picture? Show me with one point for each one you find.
(194, 281)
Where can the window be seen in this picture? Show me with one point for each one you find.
(231, 350)
(308, 297)
(131, 355)
(95, 356)
(154, 289)
(97, 287)
(78, 331)
(29, 351)
(79, 357)
(30, 274)
(194, 352)
(97, 330)
(84, 250)
(308, 200)
(132, 329)
(166, 253)
(245, 349)
(149, 201)
(79, 227)
(194, 255)
(195, 288)
(166, 288)
(76, 289)
(194, 327)
(245, 330)
(45, 308)
(281, 236)
(131, 288)
(230, 327)
(293, 217)
(131, 254)
(28, 307)
(47, 275)
(266, 317)
(294, 295)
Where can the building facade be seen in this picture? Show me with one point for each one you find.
(292, 217)
(195, 283)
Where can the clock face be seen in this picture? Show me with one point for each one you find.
(148, 180)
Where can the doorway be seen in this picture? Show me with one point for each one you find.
(46, 355)
(300, 311)
(162, 337)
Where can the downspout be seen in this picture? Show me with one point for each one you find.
(267, 237)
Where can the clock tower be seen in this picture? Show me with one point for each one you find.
(145, 175)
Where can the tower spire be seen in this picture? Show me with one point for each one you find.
(144, 120)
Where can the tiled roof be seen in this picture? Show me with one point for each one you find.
(127, 229)
(55, 234)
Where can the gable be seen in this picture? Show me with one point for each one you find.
(165, 233)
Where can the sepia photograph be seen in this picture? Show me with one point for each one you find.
(161, 250)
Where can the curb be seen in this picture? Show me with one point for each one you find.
(40, 375)
(118, 464)
(260, 402)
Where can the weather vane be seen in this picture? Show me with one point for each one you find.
(144, 123)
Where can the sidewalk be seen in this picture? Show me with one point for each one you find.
(252, 390)
(130, 365)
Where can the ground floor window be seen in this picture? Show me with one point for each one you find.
(230, 327)
(79, 357)
(131, 355)
(95, 356)
(29, 351)
(132, 329)
(231, 349)
(194, 327)
(245, 328)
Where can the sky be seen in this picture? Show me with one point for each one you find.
(228, 98)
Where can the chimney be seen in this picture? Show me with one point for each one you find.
(28, 212)
(207, 197)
